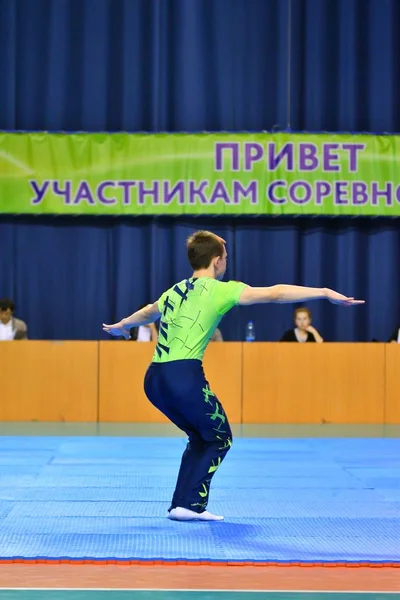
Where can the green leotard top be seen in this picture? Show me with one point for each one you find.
(190, 312)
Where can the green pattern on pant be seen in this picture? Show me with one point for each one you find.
(219, 416)
(226, 443)
(207, 393)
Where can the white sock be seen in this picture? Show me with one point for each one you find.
(184, 514)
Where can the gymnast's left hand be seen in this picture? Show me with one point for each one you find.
(118, 329)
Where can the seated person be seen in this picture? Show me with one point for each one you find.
(395, 337)
(144, 333)
(303, 330)
(10, 327)
(217, 336)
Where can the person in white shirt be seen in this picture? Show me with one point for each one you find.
(144, 333)
(147, 333)
(10, 327)
(217, 336)
(395, 337)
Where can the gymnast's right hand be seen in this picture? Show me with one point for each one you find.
(117, 329)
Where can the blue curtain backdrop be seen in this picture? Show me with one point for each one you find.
(69, 277)
(195, 65)
(198, 65)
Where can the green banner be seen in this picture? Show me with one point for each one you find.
(231, 174)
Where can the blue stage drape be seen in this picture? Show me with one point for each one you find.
(69, 276)
(199, 65)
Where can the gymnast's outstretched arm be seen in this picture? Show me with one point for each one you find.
(283, 293)
(144, 316)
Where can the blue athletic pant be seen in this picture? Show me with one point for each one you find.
(181, 392)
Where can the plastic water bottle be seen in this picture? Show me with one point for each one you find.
(250, 332)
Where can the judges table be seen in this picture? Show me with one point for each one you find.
(256, 382)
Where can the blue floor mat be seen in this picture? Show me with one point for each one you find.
(284, 500)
